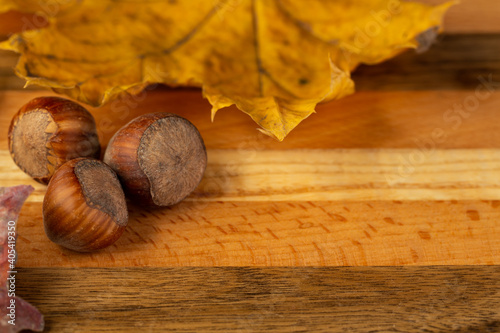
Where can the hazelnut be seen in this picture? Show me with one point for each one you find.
(84, 208)
(160, 158)
(49, 131)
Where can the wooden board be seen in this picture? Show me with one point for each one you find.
(471, 16)
(406, 172)
(376, 299)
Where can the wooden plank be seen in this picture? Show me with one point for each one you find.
(379, 119)
(212, 228)
(347, 175)
(406, 299)
(338, 233)
(328, 175)
(471, 16)
(454, 62)
(318, 175)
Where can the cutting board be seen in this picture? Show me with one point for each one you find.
(319, 230)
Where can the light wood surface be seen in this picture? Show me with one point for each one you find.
(363, 182)
(296, 233)
(328, 175)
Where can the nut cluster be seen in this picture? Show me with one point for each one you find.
(158, 159)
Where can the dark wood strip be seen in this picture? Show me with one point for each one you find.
(454, 62)
(377, 299)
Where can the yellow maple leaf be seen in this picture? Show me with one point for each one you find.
(274, 59)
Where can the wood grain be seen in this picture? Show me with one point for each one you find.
(327, 175)
(453, 62)
(336, 233)
(377, 299)
(471, 16)
(423, 173)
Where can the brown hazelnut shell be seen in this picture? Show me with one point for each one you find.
(84, 208)
(160, 158)
(59, 130)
